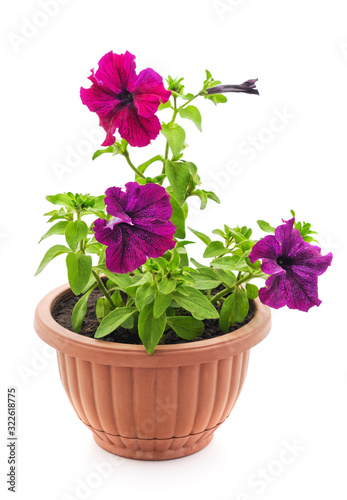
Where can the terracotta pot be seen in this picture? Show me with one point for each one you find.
(156, 407)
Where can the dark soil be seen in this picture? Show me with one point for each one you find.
(62, 311)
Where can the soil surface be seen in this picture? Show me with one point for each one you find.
(62, 312)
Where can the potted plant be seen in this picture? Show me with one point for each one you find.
(152, 346)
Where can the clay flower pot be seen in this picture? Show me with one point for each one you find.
(156, 407)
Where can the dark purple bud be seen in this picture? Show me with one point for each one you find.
(249, 87)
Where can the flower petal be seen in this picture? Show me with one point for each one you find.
(116, 71)
(148, 90)
(154, 240)
(105, 234)
(290, 239)
(275, 293)
(115, 202)
(137, 130)
(127, 255)
(267, 249)
(147, 202)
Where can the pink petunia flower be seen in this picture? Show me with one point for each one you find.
(124, 100)
(294, 266)
(140, 226)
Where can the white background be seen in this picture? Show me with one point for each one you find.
(296, 385)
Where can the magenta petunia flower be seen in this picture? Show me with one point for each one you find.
(140, 226)
(124, 100)
(294, 266)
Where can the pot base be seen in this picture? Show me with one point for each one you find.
(153, 449)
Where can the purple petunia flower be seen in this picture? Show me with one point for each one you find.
(124, 100)
(140, 226)
(248, 87)
(294, 266)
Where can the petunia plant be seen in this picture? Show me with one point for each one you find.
(130, 243)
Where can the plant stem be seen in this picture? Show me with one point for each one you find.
(131, 165)
(192, 99)
(103, 289)
(231, 289)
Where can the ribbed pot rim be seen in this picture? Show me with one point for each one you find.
(111, 353)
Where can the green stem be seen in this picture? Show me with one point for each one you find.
(192, 99)
(131, 165)
(103, 289)
(231, 289)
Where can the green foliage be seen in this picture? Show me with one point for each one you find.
(234, 309)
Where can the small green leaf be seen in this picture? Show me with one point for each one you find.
(150, 329)
(167, 285)
(175, 137)
(179, 177)
(113, 320)
(252, 291)
(227, 277)
(75, 232)
(62, 199)
(215, 249)
(203, 197)
(195, 302)
(80, 310)
(178, 218)
(165, 105)
(103, 308)
(234, 309)
(216, 98)
(203, 237)
(51, 254)
(111, 149)
(191, 113)
(161, 303)
(79, 268)
(206, 279)
(265, 226)
(58, 228)
(144, 295)
(212, 196)
(187, 328)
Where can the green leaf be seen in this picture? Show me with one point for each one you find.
(252, 291)
(215, 249)
(187, 328)
(234, 309)
(79, 268)
(75, 232)
(195, 302)
(144, 295)
(113, 320)
(161, 303)
(167, 285)
(227, 263)
(58, 228)
(203, 197)
(103, 308)
(191, 113)
(227, 277)
(165, 105)
(62, 199)
(212, 196)
(175, 137)
(206, 279)
(51, 254)
(196, 263)
(150, 329)
(203, 237)
(265, 226)
(179, 178)
(111, 149)
(216, 98)
(142, 168)
(80, 310)
(178, 218)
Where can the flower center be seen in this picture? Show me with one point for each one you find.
(125, 96)
(284, 261)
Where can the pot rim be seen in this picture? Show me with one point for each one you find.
(112, 353)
